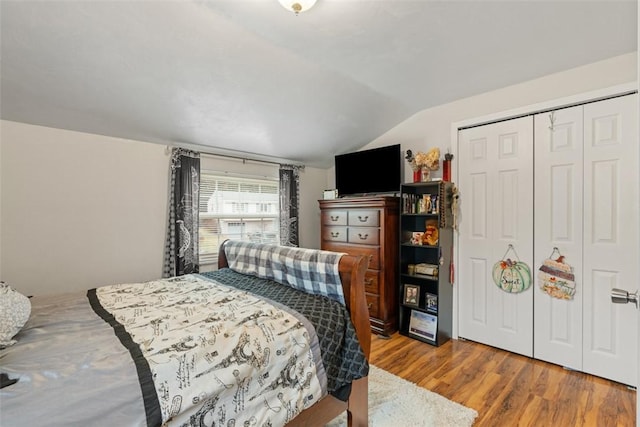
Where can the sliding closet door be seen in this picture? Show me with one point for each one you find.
(611, 237)
(496, 188)
(558, 224)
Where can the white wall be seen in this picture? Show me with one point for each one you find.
(79, 210)
(313, 182)
(0, 200)
(432, 127)
(638, 394)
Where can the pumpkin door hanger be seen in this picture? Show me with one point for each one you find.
(511, 276)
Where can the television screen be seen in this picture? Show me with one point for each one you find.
(374, 171)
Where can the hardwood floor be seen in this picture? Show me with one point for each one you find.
(505, 388)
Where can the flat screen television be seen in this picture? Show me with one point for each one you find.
(374, 171)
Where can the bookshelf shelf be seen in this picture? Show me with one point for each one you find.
(426, 240)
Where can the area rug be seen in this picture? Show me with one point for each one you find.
(395, 402)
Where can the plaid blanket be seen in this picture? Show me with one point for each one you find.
(309, 270)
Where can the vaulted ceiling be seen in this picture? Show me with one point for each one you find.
(249, 76)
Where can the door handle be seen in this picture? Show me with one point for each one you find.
(620, 296)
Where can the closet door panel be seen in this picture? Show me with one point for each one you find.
(496, 210)
(558, 224)
(477, 266)
(611, 237)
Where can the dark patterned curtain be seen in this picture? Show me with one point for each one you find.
(181, 247)
(289, 204)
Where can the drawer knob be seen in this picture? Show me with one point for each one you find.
(363, 237)
(370, 305)
(363, 219)
(368, 281)
(335, 233)
(335, 218)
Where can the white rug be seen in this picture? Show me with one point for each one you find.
(395, 402)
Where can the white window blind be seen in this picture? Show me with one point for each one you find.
(236, 208)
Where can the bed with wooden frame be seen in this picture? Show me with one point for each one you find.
(136, 354)
(352, 270)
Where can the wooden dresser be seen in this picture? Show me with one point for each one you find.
(368, 226)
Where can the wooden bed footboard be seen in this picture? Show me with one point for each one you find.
(352, 270)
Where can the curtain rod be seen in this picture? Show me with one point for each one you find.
(230, 156)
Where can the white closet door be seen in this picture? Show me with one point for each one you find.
(558, 224)
(496, 189)
(611, 237)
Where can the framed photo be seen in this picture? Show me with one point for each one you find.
(431, 302)
(423, 325)
(330, 194)
(411, 295)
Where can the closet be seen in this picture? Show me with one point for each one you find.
(560, 187)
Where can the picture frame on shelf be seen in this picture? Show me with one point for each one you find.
(431, 301)
(411, 295)
(423, 325)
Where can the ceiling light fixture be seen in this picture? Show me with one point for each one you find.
(297, 6)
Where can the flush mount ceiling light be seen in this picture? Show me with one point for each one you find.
(297, 6)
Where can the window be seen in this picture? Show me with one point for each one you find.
(239, 207)
(236, 208)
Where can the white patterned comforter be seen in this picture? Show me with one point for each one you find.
(190, 352)
(218, 354)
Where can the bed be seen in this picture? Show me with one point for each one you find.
(276, 336)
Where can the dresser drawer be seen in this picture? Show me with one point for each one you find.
(372, 303)
(370, 223)
(334, 217)
(368, 218)
(364, 235)
(334, 234)
(371, 282)
(370, 252)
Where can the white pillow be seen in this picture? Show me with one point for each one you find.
(15, 309)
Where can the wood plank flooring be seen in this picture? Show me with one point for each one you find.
(507, 389)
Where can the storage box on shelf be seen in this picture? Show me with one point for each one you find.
(426, 242)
